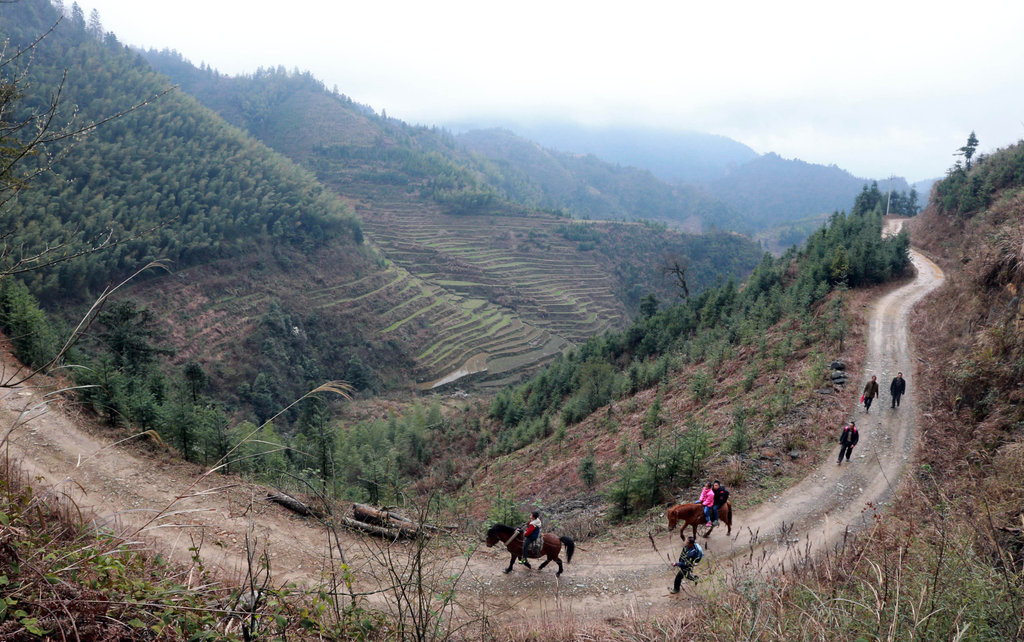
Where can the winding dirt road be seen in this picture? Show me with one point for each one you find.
(811, 516)
(124, 490)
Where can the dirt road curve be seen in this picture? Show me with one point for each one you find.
(124, 491)
(806, 519)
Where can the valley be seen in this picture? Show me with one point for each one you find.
(173, 507)
(460, 328)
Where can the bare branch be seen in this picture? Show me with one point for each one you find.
(676, 268)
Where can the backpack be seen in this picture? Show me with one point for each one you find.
(700, 553)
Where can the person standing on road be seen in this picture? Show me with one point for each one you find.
(692, 554)
(847, 440)
(870, 392)
(897, 388)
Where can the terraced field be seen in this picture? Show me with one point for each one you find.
(435, 298)
(444, 334)
(507, 293)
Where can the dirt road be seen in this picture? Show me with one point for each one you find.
(806, 519)
(124, 490)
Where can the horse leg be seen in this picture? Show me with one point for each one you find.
(541, 567)
(511, 563)
(559, 561)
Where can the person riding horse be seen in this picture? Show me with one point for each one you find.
(721, 496)
(531, 534)
(551, 546)
(707, 500)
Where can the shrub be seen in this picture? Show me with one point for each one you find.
(588, 469)
(26, 325)
(739, 439)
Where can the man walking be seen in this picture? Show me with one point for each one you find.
(691, 555)
(897, 388)
(870, 392)
(847, 441)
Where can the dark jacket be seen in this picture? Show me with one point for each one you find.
(871, 390)
(850, 436)
(898, 386)
(721, 496)
(690, 556)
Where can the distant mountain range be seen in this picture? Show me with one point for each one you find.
(762, 192)
(672, 156)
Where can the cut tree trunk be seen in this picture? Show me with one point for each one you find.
(371, 515)
(390, 533)
(294, 505)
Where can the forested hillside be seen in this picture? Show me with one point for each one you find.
(772, 191)
(737, 337)
(780, 201)
(433, 211)
(271, 289)
(167, 181)
(586, 185)
(172, 181)
(474, 169)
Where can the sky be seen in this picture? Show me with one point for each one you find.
(878, 88)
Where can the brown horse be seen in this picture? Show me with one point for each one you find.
(693, 515)
(512, 538)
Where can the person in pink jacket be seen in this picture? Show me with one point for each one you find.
(707, 498)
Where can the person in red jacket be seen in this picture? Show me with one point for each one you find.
(531, 534)
(847, 440)
(707, 500)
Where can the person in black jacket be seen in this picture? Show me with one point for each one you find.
(897, 388)
(870, 392)
(692, 554)
(721, 496)
(847, 441)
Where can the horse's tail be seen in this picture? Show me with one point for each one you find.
(570, 547)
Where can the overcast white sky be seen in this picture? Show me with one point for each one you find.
(877, 87)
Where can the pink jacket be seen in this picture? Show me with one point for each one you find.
(707, 497)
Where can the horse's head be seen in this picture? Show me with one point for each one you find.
(494, 534)
(672, 519)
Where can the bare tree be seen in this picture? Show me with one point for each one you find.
(675, 267)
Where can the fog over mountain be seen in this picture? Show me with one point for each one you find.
(672, 156)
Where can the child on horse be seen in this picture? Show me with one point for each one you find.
(692, 554)
(531, 534)
(707, 499)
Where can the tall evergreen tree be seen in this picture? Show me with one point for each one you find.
(967, 151)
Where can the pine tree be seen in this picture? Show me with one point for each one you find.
(967, 151)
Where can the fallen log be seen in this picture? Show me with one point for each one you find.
(390, 533)
(388, 519)
(294, 505)
(371, 515)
